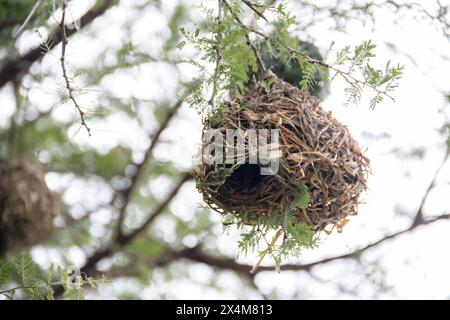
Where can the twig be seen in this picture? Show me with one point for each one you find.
(64, 41)
(419, 215)
(7, 291)
(268, 250)
(158, 210)
(30, 15)
(252, 7)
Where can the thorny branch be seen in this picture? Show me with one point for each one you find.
(347, 75)
(70, 91)
(128, 192)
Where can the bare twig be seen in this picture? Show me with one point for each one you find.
(9, 291)
(70, 91)
(269, 249)
(158, 210)
(419, 215)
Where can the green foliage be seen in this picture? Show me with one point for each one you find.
(37, 285)
(226, 43)
(25, 267)
(282, 235)
(382, 82)
(177, 19)
(281, 232)
(5, 272)
(301, 198)
(217, 117)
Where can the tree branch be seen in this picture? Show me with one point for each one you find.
(419, 215)
(198, 255)
(127, 193)
(64, 41)
(157, 212)
(249, 43)
(253, 8)
(13, 68)
(89, 267)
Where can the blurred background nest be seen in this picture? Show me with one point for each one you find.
(27, 206)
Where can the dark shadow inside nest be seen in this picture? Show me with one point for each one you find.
(245, 179)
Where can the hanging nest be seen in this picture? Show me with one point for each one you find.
(27, 206)
(317, 152)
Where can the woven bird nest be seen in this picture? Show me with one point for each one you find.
(27, 206)
(317, 152)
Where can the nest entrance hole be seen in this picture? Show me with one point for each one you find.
(247, 177)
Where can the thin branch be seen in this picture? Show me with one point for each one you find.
(419, 215)
(30, 15)
(154, 138)
(196, 254)
(270, 246)
(70, 91)
(253, 8)
(8, 291)
(158, 210)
